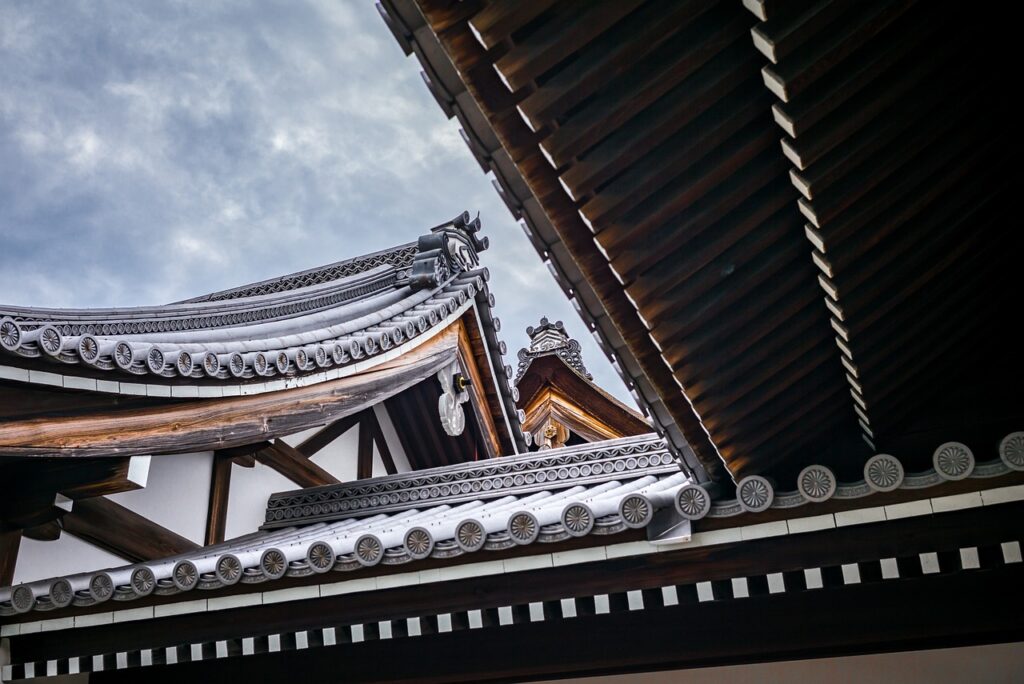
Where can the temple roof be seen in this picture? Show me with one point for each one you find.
(547, 339)
(441, 512)
(299, 327)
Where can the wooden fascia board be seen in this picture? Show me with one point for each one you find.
(221, 423)
(550, 403)
(479, 389)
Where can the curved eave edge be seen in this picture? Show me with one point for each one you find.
(383, 338)
(627, 501)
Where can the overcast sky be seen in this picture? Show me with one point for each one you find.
(150, 152)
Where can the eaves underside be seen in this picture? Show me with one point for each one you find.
(716, 267)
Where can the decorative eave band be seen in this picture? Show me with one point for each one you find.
(622, 459)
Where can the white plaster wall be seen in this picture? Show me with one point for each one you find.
(66, 556)
(176, 495)
(340, 456)
(247, 497)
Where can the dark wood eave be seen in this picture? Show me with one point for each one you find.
(817, 301)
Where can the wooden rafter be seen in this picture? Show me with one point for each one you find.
(364, 463)
(217, 511)
(125, 533)
(328, 434)
(47, 531)
(294, 465)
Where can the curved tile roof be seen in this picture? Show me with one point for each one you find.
(545, 496)
(601, 491)
(295, 325)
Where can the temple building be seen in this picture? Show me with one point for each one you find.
(787, 224)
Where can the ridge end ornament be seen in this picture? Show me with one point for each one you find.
(551, 339)
(453, 396)
(450, 248)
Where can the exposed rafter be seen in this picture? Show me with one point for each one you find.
(314, 443)
(123, 532)
(371, 422)
(364, 455)
(294, 465)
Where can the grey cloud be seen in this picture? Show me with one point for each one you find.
(154, 151)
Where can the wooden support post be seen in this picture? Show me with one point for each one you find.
(294, 465)
(217, 512)
(9, 543)
(364, 464)
(125, 533)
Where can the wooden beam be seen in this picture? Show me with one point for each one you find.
(328, 434)
(221, 423)
(75, 479)
(113, 527)
(9, 543)
(382, 443)
(47, 531)
(217, 511)
(244, 455)
(294, 465)
(364, 464)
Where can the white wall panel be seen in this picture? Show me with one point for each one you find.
(65, 556)
(176, 495)
(247, 497)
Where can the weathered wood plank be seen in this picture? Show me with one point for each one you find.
(223, 423)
